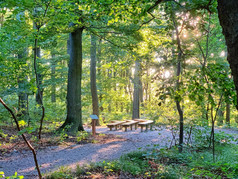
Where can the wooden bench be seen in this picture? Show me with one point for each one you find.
(115, 124)
(141, 120)
(130, 124)
(146, 123)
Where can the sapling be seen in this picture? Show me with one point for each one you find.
(24, 137)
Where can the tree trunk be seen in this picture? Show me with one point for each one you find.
(136, 94)
(22, 94)
(180, 111)
(227, 13)
(39, 94)
(228, 113)
(93, 77)
(99, 72)
(141, 92)
(220, 118)
(178, 75)
(74, 108)
(53, 88)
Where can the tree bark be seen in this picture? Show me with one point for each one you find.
(39, 93)
(93, 78)
(22, 94)
(136, 94)
(228, 16)
(53, 87)
(74, 109)
(22, 100)
(220, 118)
(228, 113)
(178, 75)
(99, 72)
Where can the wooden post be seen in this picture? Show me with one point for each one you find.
(94, 118)
(94, 127)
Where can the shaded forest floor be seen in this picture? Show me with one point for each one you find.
(54, 152)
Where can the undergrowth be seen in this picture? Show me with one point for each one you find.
(164, 163)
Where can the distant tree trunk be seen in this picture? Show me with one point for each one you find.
(22, 99)
(74, 108)
(129, 84)
(228, 114)
(220, 118)
(22, 94)
(207, 111)
(99, 71)
(109, 74)
(227, 13)
(136, 94)
(141, 92)
(53, 88)
(39, 94)
(93, 77)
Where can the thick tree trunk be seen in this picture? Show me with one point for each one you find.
(136, 94)
(74, 109)
(93, 77)
(228, 16)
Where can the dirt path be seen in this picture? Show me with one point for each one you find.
(54, 157)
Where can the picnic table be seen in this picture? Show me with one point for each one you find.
(130, 123)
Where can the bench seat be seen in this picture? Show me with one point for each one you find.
(116, 124)
(141, 120)
(130, 124)
(146, 124)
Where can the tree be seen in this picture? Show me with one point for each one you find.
(74, 109)
(137, 89)
(93, 83)
(227, 13)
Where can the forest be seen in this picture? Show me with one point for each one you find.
(172, 62)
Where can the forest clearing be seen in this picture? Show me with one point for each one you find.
(156, 79)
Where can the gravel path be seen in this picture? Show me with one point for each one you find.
(53, 157)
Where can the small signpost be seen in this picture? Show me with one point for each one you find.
(94, 118)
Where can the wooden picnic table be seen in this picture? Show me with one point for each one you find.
(116, 124)
(130, 124)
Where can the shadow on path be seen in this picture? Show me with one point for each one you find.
(53, 157)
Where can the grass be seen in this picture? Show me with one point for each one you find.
(163, 163)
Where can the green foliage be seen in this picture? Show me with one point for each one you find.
(168, 163)
(134, 163)
(62, 172)
(15, 176)
(82, 135)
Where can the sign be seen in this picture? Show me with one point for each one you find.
(94, 116)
